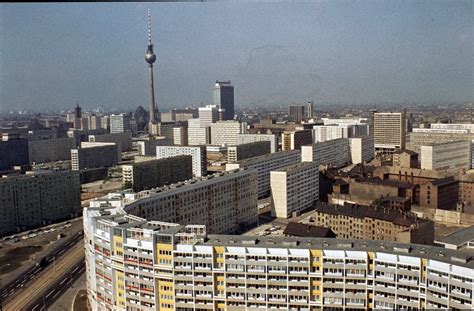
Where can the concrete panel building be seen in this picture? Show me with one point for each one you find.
(13, 151)
(122, 140)
(389, 131)
(296, 113)
(37, 199)
(135, 263)
(451, 157)
(180, 136)
(148, 147)
(94, 155)
(120, 123)
(362, 149)
(226, 132)
(295, 139)
(334, 152)
(198, 154)
(157, 172)
(197, 134)
(250, 138)
(323, 133)
(50, 150)
(264, 165)
(294, 188)
(246, 151)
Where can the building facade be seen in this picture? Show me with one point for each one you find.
(157, 172)
(123, 140)
(264, 165)
(250, 138)
(135, 264)
(334, 153)
(223, 96)
(294, 188)
(225, 132)
(50, 150)
(13, 151)
(296, 113)
(295, 139)
(197, 134)
(198, 154)
(93, 155)
(37, 199)
(362, 149)
(452, 157)
(119, 123)
(246, 151)
(389, 131)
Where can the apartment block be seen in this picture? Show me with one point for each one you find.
(13, 151)
(294, 188)
(323, 133)
(334, 153)
(120, 123)
(248, 150)
(157, 172)
(264, 165)
(147, 147)
(225, 132)
(250, 138)
(50, 150)
(198, 155)
(137, 264)
(123, 140)
(38, 198)
(295, 139)
(197, 134)
(180, 136)
(362, 149)
(451, 157)
(94, 155)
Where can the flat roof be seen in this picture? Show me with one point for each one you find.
(458, 237)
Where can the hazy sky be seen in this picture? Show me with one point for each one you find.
(54, 55)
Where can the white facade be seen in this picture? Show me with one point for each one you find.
(362, 149)
(451, 157)
(340, 121)
(334, 152)
(294, 188)
(180, 136)
(119, 123)
(198, 154)
(225, 132)
(452, 126)
(265, 164)
(250, 138)
(323, 133)
(208, 115)
(389, 130)
(198, 135)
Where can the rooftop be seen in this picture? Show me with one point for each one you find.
(459, 237)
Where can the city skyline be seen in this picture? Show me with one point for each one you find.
(329, 52)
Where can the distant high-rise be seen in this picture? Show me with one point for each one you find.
(310, 109)
(223, 94)
(78, 112)
(296, 112)
(150, 58)
(389, 131)
(119, 123)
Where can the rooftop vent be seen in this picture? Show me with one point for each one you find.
(402, 249)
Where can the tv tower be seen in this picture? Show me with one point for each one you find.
(150, 58)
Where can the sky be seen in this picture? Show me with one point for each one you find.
(54, 55)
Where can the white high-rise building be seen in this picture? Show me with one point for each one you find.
(225, 132)
(451, 157)
(389, 131)
(120, 123)
(198, 135)
(198, 154)
(265, 164)
(208, 115)
(362, 149)
(294, 188)
(323, 133)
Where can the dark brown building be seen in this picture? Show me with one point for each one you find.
(440, 194)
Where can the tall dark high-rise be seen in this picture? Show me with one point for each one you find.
(223, 95)
(77, 112)
(150, 58)
(296, 112)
